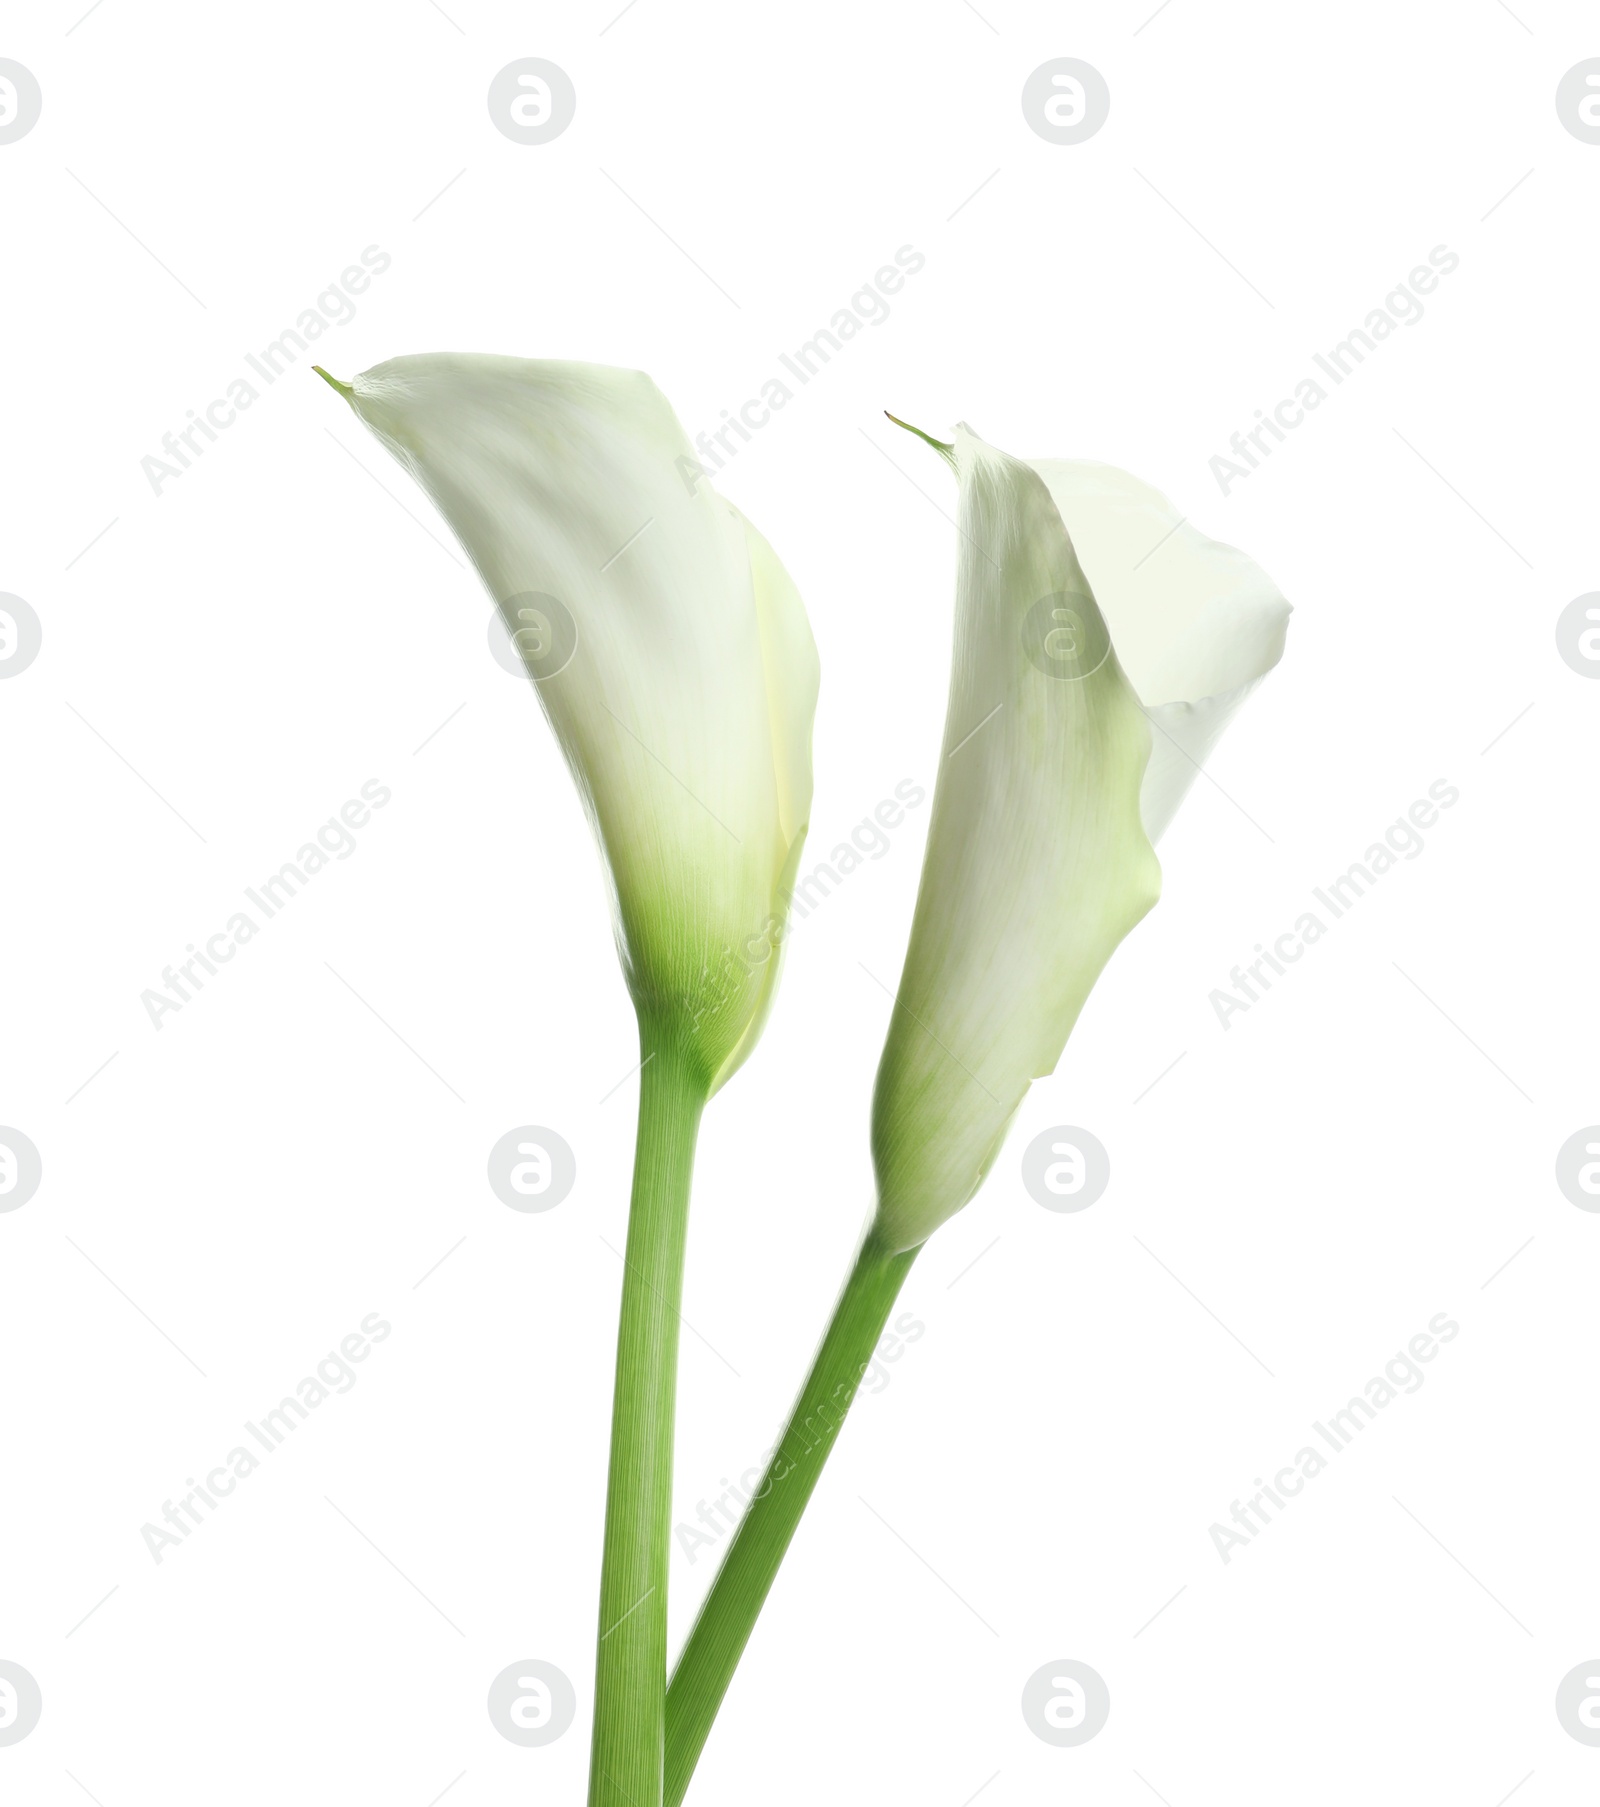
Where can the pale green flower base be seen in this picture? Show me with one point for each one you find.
(728, 1616)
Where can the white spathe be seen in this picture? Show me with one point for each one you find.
(1196, 624)
(1101, 645)
(675, 662)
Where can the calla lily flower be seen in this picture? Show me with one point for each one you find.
(673, 659)
(1101, 647)
(668, 647)
(1091, 622)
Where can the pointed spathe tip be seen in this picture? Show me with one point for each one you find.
(333, 383)
(947, 452)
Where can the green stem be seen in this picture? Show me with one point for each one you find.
(728, 1616)
(631, 1664)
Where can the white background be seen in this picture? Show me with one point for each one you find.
(1338, 1165)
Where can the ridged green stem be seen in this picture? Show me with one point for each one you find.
(728, 1616)
(626, 1767)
